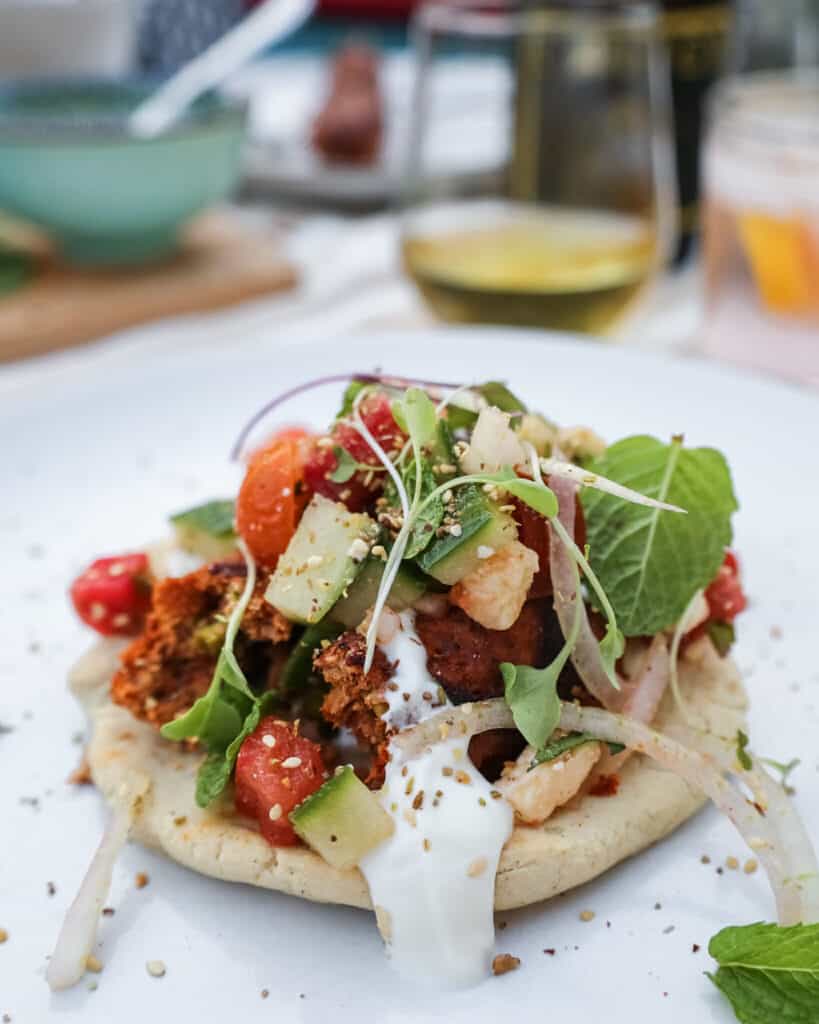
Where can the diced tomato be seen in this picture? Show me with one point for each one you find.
(113, 595)
(358, 491)
(533, 531)
(725, 596)
(271, 498)
(275, 771)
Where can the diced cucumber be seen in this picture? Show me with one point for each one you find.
(482, 525)
(351, 608)
(342, 821)
(207, 530)
(321, 560)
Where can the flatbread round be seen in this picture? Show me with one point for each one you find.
(579, 842)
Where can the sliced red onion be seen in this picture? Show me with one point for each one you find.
(567, 598)
(584, 478)
(79, 931)
(333, 378)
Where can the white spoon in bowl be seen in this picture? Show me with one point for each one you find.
(270, 22)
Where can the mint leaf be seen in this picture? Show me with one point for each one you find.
(345, 466)
(651, 563)
(768, 973)
(429, 515)
(214, 518)
(531, 694)
(559, 746)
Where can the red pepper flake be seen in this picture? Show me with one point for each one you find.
(549, 952)
(605, 785)
(695, 948)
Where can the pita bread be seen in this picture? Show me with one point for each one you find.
(579, 842)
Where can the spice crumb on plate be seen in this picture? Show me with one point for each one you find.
(141, 880)
(265, 993)
(504, 963)
(93, 964)
(731, 863)
(4, 936)
(750, 866)
(586, 915)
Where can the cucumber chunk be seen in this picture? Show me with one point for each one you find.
(207, 530)
(342, 821)
(351, 608)
(483, 525)
(322, 559)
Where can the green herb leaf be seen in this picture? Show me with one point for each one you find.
(785, 770)
(214, 518)
(769, 973)
(559, 746)
(722, 636)
(299, 666)
(535, 495)
(743, 757)
(351, 392)
(531, 694)
(651, 563)
(420, 417)
(499, 395)
(345, 466)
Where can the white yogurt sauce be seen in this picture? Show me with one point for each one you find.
(413, 694)
(433, 881)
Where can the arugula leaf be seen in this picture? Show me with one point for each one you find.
(214, 518)
(346, 465)
(559, 746)
(743, 757)
(722, 636)
(531, 694)
(769, 973)
(651, 563)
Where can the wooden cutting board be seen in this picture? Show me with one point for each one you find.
(223, 260)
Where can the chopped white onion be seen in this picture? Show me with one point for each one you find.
(585, 655)
(79, 931)
(584, 478)
(493, 444)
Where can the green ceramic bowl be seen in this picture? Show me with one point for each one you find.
(68, 164)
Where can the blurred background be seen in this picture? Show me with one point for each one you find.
(641, 173)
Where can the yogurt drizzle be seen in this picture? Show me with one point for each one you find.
(433, 882)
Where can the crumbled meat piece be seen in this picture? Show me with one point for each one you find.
(171, 663)
(465, 658)
(356, 701)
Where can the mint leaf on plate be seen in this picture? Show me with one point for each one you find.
(769, 974)
(649, 562)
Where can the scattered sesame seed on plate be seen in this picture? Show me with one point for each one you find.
(156, 968)
(93, 964)
(731, 863)
(586, 915)
(750, 866)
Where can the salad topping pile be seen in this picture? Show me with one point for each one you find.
(480, 610)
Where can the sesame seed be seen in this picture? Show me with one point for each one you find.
(481, 801)
(93, 964)
(291, 762)
(507, 508)
(409, 817)
(731, 863)
(410, 785)
(275, 812)
(380, 551)
(586, 915)
(156, 968)
(443, 730)
(123, 619)
(467, 708)
(456, 530)
(463, 777)
(269, 741)
(446, 770)
(141, 880)
(705, 859)
(427, 846)
(750, 866)
(484, 551)
(495, 794)
(418, 802)
(314, 561)
(97, 611)
(117, 569)
(477, 867)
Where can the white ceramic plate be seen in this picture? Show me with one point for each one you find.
(469, 134)
(94, 457)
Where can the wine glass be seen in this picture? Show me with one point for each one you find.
(540, 188)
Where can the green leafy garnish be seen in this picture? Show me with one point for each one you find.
(496, 393)
(420, 418)
(346, 466)
(722, 636)
(650, 563)
(785, 770)
(743, 757)
(769, 973)
(429, 516)
(551, 751)
(221, 716)
(351, 392)
(299, 666)
(213, 517)
(531, 694)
